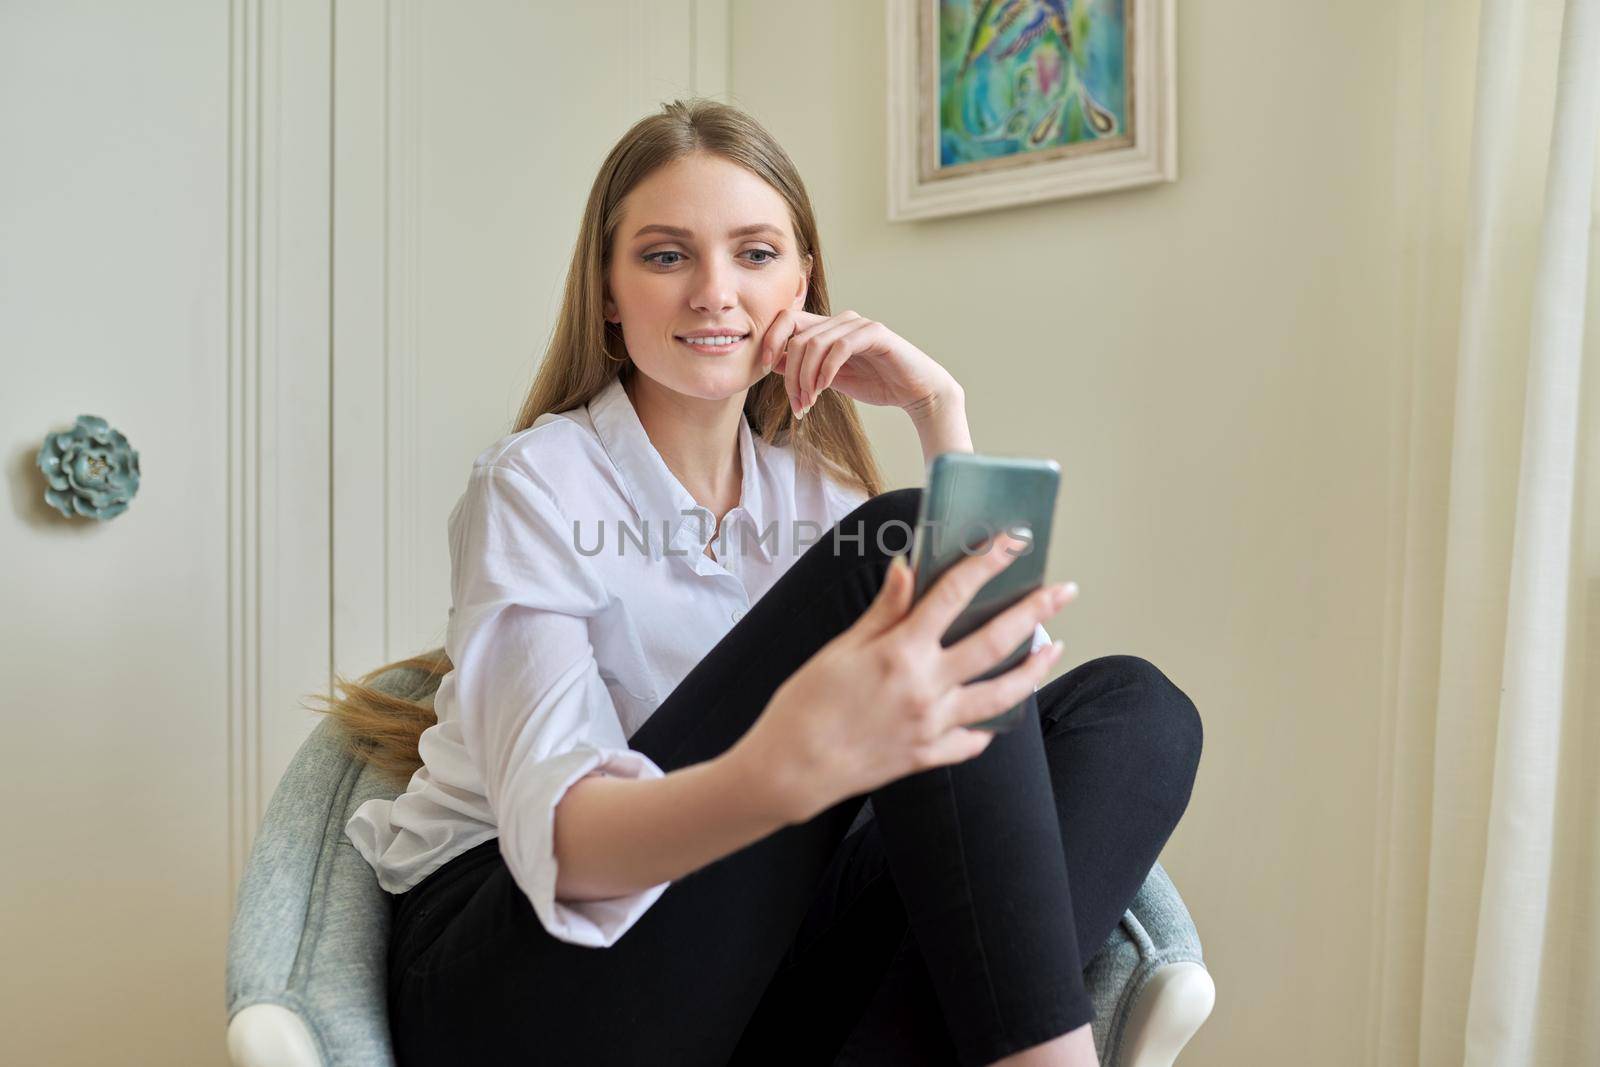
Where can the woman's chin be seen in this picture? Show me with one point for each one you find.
(717, 377)
(711, 382)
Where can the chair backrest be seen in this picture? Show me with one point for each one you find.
(311, 924)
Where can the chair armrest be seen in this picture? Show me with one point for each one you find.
(270, 1035)
(1156, 934)
(1165, 1015)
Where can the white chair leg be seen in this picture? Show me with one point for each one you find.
(1176, 1000)
(270, 1035)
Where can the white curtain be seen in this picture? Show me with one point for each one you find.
(1489, 888)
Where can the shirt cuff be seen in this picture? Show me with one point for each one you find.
(593, 923)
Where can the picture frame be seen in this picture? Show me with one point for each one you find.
(990, 102)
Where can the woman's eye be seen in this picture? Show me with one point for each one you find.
(651, 257)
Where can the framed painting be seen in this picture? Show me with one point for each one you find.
(994, 103)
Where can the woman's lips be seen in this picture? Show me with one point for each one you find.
(715, 350)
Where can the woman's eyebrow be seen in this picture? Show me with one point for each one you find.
(679, 231)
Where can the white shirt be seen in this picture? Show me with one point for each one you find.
(565, 635)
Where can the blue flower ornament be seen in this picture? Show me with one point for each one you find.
(91, 470)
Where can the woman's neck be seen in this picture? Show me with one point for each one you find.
(698, 439)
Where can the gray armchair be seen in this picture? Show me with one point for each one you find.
(306, 952)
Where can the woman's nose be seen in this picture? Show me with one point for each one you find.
(714, 288)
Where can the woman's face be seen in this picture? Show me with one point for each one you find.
(663, 285)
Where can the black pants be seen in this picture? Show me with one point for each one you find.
(952, 928)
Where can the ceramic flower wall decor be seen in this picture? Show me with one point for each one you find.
(92, 470)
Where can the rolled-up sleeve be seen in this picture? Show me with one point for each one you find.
(535, 715)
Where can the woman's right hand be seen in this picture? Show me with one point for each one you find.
(885, 699)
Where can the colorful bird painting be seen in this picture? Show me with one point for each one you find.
(1004, 27)
(1020, 76)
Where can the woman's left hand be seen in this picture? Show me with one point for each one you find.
(863, 359)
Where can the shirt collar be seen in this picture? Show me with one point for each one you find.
(659, 497)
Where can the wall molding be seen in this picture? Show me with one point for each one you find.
(377, 306)
(278, 417)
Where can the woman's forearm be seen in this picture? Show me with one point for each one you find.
(615, 836)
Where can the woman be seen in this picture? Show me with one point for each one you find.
(624, 840)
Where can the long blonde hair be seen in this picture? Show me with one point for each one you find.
(586, 354)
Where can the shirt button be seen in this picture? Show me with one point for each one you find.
(737, 614)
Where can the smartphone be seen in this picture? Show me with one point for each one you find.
(969, 500)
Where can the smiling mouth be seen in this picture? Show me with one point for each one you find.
(705, 344)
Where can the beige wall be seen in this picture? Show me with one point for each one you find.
(1213, 364)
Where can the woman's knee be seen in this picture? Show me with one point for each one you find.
(878, 528)
(1167, 723)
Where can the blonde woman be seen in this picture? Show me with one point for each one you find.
(682, 655)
